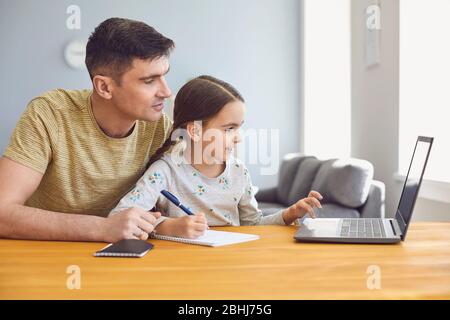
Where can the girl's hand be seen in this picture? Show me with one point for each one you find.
(190, 226)
(302, 207)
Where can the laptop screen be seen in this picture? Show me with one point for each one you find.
(412, 183)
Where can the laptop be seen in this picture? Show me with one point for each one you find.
(376, 230)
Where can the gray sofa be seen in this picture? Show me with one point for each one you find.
(347, 187)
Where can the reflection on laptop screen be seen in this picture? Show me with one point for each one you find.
(412, 184)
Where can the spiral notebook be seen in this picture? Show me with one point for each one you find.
(129, 248)
(212, 238)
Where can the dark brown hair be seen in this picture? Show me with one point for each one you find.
(200, 99)
(115, 42)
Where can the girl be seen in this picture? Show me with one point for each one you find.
(196, 164)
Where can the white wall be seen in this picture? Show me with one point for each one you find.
(375, 108)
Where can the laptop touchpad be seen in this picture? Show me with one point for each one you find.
(319, 228)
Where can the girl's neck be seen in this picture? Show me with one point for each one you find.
(208, 170)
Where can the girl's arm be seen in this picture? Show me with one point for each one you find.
(249, 213)
(145, 195)
(147, 189)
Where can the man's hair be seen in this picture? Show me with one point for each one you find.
(115, 42)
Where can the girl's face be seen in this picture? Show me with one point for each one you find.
(221, 133)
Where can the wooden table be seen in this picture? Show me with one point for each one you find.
(274, 267)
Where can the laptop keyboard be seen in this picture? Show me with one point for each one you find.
(362, 228)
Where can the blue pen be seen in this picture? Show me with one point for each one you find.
(176, 202)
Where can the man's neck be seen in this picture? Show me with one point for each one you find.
(112, 122)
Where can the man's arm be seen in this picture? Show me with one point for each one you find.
(17, 221)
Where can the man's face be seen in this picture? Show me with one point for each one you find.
(142, 90)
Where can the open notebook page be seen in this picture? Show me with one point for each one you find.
(212, 238)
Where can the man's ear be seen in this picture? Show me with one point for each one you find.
(193, 129)
(103, 85)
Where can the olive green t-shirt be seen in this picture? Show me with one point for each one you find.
(84, 170)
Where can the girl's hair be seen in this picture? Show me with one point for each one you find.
(200, 99)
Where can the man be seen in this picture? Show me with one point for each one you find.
(74, 154)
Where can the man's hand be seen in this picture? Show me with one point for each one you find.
(133, 223)
(302, 207)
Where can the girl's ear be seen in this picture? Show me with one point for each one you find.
(194, 130)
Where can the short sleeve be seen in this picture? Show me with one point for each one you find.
(33, 137)
(147, 189)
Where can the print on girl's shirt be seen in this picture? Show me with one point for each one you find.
(200, 190)
(224, 183)
(135, 195)
(155, 177)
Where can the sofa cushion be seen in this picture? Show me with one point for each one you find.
(344, 181)
(288, 168)
(268, 208)
(327, 211)
(331, 210)
(303, 180)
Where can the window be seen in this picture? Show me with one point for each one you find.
(424, 83)
(327, 87)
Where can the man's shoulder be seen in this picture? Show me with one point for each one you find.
(161, 126)
(61, 100)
